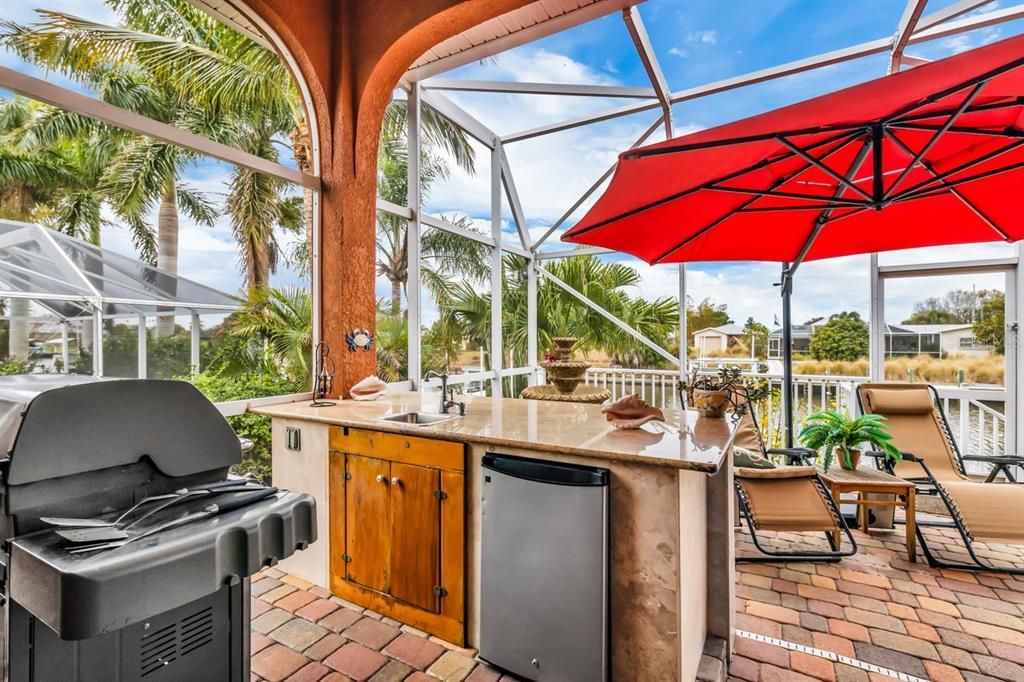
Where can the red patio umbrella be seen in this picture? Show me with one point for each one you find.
(926, 157)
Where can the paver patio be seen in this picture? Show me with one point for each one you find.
(874, 608)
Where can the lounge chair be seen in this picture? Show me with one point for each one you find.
(791, 499)
(914, 415)
(979, 510)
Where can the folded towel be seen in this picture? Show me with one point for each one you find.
(631, 412)
(369, 388)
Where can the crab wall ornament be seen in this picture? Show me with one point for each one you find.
(359, 339)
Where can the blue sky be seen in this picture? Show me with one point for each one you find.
(696, 41)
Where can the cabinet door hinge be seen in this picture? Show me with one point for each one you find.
(440, 591)
(346, 558)
(440, 494)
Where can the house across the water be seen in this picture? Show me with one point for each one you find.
(938, 340)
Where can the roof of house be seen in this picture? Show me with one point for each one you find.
(727, 329)
(933, 328)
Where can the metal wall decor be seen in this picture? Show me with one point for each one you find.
(359, 339)
(323, 376)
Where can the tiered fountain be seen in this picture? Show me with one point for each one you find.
(566, 377)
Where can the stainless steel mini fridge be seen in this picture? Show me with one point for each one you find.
(544, 569)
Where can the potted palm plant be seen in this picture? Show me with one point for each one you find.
(832, 431)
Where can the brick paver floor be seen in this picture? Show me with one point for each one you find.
(878, 608)
(875, 608)
(300, 633)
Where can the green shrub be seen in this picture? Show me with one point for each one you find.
(9, 367)
(253, 426)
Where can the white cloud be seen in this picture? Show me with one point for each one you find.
(678, 52)
(708, 36)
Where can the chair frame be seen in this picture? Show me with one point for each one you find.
(771, 556)
(958, 522)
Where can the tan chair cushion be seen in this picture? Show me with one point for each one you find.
(991, 510)
(784, 500)
(900, 401)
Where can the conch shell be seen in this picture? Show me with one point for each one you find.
(369, 388)
(631, 412)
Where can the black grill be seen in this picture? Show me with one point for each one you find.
(170, 606)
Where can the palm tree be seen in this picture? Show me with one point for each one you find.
(278, 324)
(444, 255)
(560, 314)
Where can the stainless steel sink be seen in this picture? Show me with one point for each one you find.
(418, 418)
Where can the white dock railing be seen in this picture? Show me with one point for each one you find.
(975, 414)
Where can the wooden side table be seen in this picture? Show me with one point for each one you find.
(863, 481)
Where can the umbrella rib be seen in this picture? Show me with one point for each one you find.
(1006, 132)
(822, 220)
(941, 94)
(954, 191)
(784, 195)
(821, 166)
(916, 158)
(923, 185)
(949, 184)
(725, 178)
(991, 106)
(778, 182)
(844, 128)
(800, 207)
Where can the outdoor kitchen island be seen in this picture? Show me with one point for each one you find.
(671, 513)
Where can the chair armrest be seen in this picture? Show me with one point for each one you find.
(795, 456)
(996, 459)
(881, 455)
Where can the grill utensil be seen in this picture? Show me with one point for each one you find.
(109, 533)
(62, 522)
(210, 510)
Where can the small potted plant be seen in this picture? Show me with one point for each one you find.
(832, 431)
(711, 394)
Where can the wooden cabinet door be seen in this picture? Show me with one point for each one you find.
(415, 535)
(368, 522)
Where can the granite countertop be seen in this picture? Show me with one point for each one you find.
(684, 441)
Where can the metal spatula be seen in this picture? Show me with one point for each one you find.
(210, 510)
(108, 533)
(61, 522)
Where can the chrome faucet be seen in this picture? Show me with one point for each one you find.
(447, 394)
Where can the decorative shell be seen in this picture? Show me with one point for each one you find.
(369, 388)
(631, 412)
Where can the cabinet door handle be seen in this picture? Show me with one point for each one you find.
(381, 479)
(395, 480)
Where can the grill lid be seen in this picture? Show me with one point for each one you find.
(63, 426)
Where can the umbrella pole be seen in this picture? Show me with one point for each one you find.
(787, 354)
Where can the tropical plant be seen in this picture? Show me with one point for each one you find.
(255, 427)
(277, 324)
(831, 430)
(442, 254)
(203, 77)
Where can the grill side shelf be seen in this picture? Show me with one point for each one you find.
(81, 596)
